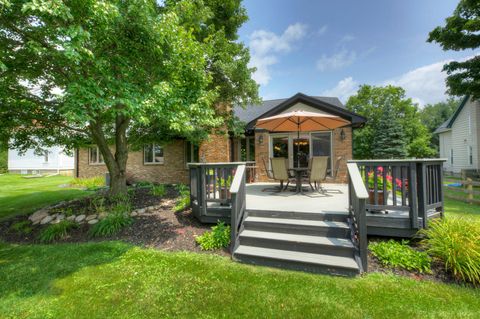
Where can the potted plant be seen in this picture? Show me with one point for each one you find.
(371, 186)
(224, 185)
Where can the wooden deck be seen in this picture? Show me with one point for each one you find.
(262, 196)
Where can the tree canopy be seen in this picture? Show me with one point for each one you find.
(372, 102)
(433, 115)
(118, 73)
(461, 32)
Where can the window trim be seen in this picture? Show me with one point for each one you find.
(470, 155)
(152, 145)
(451, 156)
(192, 153)
(99, 156)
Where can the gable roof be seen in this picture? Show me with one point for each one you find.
(447, 125)
(330, 105)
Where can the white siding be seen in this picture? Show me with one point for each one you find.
(303, 107)
(464, 133)
(445, 140)
(30, 161)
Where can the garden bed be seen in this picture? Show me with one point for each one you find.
(155, 224)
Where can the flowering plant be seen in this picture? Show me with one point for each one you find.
(379, 173)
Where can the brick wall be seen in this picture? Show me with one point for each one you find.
(172, 171)
(340, 148)
(216, 149)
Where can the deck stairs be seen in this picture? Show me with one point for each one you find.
(312, 242)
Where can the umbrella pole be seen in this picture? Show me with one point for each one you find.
(298, 143)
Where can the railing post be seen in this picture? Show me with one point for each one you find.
(362, 233)
(422, 192)
(412, 195)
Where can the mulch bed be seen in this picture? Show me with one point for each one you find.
(160, 228)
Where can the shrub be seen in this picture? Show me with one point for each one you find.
(144, 184)
(57, 231)
(456, 242)
(218, 237)
(183, 201)
(91, 183)
(97, 204)
(158, 190)
(111, 224)
(399, 254)
(22, 228)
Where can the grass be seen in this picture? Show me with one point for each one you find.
(20, 195)
(116, 280)
(456, 208)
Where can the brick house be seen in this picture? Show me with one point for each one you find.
(168, 163)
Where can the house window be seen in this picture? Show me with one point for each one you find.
(322, 146)
(153, 154)
(470, 155)
(191, 153)
(95, 157)
(451, 156)
(247, 149)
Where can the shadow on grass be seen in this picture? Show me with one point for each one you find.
(28, 270)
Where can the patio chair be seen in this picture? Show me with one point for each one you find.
(280, 171)
(332, 178)
(318, 172)
(267, 170)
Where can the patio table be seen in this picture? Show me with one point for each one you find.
(298, 175)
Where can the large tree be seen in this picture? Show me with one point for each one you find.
(115, 73)
(389, 141)
(461, 32)
(372, 102)
(433, 115)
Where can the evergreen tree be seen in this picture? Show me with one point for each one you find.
(390, 141)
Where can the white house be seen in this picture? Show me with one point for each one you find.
(459, 138)
(52, 160)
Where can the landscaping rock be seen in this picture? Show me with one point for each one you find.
(91, 217)
(102, 215)
(70, 218)
(134, 213)
(36, 217)
(80, 218)
(141, 210)
(60, 217)
(46, 220)
(93, 221)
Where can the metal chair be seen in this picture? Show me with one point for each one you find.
(280, 171)
(332, 178)
(318, 172)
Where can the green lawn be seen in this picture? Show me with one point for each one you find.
(116, 280)
(20, 195)
(461, 209)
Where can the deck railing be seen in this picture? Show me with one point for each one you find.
(238, 193)
(416, 187)
(358, 196)
(210, 195)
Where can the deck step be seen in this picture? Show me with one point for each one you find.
(298, 226)
(325, 216)
(317, 263)
(295, 242)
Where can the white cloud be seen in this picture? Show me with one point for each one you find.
(424, 85)
(336, 61)
(322, 30)
(265, 47)
(343, 90)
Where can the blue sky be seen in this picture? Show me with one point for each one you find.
(331, 47)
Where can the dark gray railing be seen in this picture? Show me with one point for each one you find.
(357, 214)
(416, 186)
(210, 187)
(238, 193)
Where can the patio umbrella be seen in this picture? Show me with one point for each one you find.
(301, 121)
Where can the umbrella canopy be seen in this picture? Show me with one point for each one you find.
(301, 121)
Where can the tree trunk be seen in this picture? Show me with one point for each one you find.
(116, 165)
